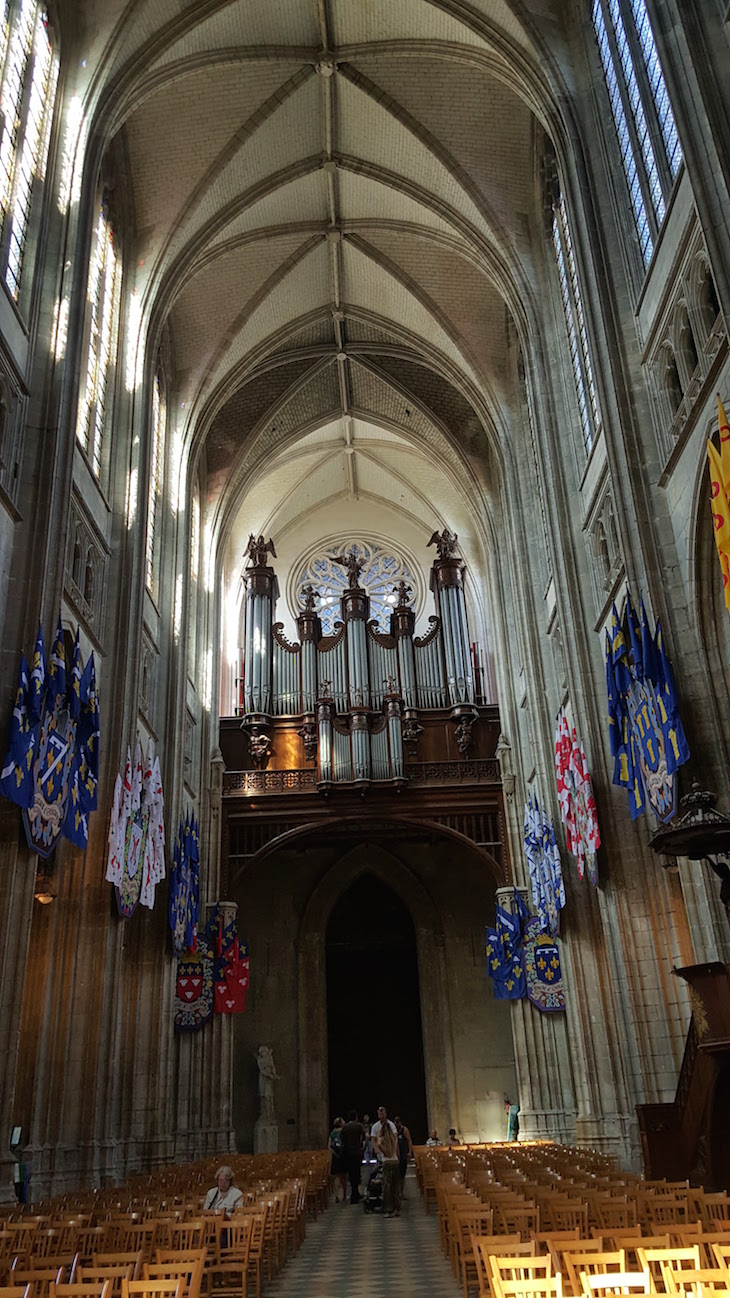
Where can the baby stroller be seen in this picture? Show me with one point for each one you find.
(373, 1201)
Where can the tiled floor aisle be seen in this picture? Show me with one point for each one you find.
(350, 1255)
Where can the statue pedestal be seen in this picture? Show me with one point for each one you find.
(266, 1137)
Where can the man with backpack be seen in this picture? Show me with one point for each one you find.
(385, 1143)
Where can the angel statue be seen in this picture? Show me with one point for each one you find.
(258, 549)
(353, 565)
(445, 543)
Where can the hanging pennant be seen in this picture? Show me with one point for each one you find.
(578, 810)
(231, 965)
(194, 988)
(135, 840)
(543, 972)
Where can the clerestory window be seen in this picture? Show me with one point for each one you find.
(572, 300)
(642, 113)
(27, 96)
(156, 482)
(101, 343)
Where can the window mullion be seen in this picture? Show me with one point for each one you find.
(630, 110)
(647, 99)
(580, 326)
(624, 127)
(20, 63)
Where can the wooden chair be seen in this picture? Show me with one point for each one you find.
(79, 1291)
(49, 1242)
(540, 1287)
(151, 1289)
(142, 1236)
(544, 1238)
(135, 1260)
(525, 1219)
(257, 1244)
(565, 1214)
(511, 1269)
(87, 1275)
(613, 1213)
(90, 1240)
(467, 1224)
(40, 1279)
(715, 1210)
(578, 1263)
(484, 1246)
(230, 1275)
(666, 1210)
(720, 1250)
(617, 1282)
(15, 1291)
(631, 1246)
(660, 1260)
(697, 1284)
(185, 1236)
(559, 1248)
(188, 1267)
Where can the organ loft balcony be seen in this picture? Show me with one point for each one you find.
(360, 724)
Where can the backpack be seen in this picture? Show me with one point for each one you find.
(388, 1141)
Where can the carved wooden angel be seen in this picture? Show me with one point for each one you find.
(445, 542)
(258, 549)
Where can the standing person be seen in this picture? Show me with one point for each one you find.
(353, 1137)
(368, 1150)
(338, 1170)
(405, 1151)
(513, 1121)
(385, 1144)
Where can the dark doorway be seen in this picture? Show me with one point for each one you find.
(374, 1040)
(719, 1141)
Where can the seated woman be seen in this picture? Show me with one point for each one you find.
(224, 1197)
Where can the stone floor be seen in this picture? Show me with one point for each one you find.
(350, 1254)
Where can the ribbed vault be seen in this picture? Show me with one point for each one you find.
(335, 239)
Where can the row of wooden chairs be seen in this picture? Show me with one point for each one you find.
(566, 1223)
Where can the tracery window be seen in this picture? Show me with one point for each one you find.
(642, 113)
(194, 572)
(383, 569)
(27, 96)
(526, 393)
(101, 354)
(156, 479)
(576, 325)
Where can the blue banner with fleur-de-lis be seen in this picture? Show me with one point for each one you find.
(543, 973)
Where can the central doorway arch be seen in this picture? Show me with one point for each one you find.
(374, 1034)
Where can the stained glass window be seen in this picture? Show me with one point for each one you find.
(382, 569)
(156, 479)
(575, 322)
(101, 355)
(642, 113)
(27, 96)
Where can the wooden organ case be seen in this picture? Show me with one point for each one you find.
(360, 733)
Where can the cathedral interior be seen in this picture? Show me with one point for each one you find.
(357, 358)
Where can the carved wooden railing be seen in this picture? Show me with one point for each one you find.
(672, 1133)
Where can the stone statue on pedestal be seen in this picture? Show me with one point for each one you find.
(266, 1130)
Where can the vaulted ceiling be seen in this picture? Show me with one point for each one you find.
(334, 204)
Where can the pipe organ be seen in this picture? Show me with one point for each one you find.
(360, 691)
